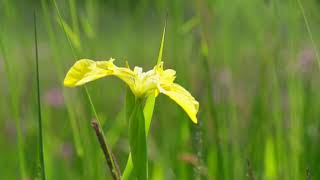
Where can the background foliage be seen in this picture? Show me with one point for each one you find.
(251, 64)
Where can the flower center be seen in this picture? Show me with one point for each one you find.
(145, 82)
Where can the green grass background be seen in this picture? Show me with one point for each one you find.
(251, 64)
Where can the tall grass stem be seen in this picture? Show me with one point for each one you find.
(40, 130)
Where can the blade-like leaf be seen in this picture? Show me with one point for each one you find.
(75, 40)
(148, 112)
(130, 100)
(138, 142)
(162, 44)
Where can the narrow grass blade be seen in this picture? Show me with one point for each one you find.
(14, 105)
(64, 29)
(72, 36)
(74, 16)
(60, 73)
(40, 135)
(162, 43)
(309, 32)
(114, 166)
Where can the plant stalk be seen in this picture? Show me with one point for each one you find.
(112, 164)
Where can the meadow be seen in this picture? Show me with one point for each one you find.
(253, 66)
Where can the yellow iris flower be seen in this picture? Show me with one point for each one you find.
(141, 83)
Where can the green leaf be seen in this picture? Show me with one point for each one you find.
(162, 43)
(138, 142)
(148, 112)
(128, 169)
(130, 102)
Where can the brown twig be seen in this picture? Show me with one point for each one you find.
(112, 164)
(250, 171)
(308, 174)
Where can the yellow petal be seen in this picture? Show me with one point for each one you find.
(167, 76)
(126, 75)
(86, 70)
(183, 98)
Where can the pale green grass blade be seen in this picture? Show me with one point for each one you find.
(64, 29)
(74, 16)
(307, 24)
(14, 105)
(162, 43)
(114, 166)
(60, 73)
(72, 36)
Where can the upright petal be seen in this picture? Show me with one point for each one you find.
(183, 98)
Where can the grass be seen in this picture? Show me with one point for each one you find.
(40, 129)
(251, 64)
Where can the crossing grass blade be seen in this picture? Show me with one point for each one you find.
(113, 165)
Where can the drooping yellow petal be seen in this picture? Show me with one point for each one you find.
(183, 98)
(86, 70)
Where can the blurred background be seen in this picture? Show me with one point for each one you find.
(251, 64)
